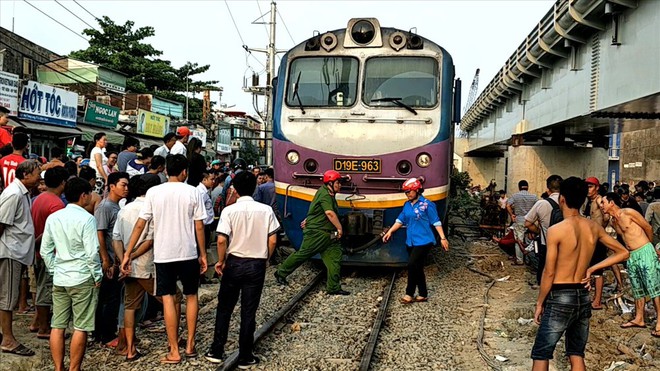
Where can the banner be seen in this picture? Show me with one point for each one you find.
(99, 114)
(9, 92)
(223, 140)
(201, 135)
(48, 104)
(152, 124)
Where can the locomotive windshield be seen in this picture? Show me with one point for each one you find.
(412, 81)
(322, 82)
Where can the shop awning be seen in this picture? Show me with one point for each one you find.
(88, 133)
(62, 130)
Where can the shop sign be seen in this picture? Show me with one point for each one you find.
(112, 87)
(99, 114)
(199, 134)
(9, 92)
(223, 140)
(47, 104)
(152, 124)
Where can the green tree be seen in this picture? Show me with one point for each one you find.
(122, 48)
(250, 153)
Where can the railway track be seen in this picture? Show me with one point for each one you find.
(365, 360)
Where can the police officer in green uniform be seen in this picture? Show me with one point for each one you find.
(319, 235)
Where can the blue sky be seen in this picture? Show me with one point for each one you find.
(478, 34)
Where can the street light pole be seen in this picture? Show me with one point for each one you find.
(187, 73)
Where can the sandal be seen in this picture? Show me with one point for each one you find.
(137, 356)
(407, 300)
(191, 355)
(421, 299)
(167, 361)
(19, 350)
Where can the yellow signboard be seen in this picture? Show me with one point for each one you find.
(152, 124)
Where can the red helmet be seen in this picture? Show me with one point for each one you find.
(331, 176)
(411, 184)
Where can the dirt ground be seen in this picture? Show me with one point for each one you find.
(509, 333)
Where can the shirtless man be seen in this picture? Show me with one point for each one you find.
(592, 211)
(643, 265)
(563, 304)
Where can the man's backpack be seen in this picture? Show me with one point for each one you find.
(556, 216)
(232, 196)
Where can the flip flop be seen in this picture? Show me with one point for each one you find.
(407, 301)
(20, 350)
(191, 355)
(33, 330)
(137, 356)
(421, 299)
(655, 333)
(631, 324)
(167, 361)
(596, 308)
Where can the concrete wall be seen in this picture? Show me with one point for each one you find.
(535, 164)
(18, 49)
(481, 169)
(640, 146)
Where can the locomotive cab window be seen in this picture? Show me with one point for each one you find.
(322, 82)
(412, 81)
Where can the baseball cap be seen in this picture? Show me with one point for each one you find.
(592, 180)
(182, 131)
(215, 162)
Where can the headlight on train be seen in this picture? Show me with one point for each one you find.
(363, 32)
(311, 166)
(424, 160)
(403, 167)
(292, 157)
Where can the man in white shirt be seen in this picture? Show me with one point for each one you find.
(250, 229)
(178, 215)
(179, 147)
(168, 142)
(138, 264)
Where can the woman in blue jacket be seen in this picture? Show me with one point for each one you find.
(419, 215)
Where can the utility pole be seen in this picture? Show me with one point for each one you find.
(267, 91)
(269, 85)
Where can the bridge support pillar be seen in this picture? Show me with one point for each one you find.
(484, 169)
(536, 163)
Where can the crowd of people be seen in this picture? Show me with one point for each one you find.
(578, 228)
(100, 243)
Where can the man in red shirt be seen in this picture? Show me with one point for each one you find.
(5, 137)
(8, 164)
(43, 206)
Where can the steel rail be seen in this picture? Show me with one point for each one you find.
(231, 361)
(375, 330)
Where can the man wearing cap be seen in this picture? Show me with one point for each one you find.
(321, 234)
(179, 147)
(215, 166)
(518, 206)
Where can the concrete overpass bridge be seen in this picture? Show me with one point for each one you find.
(585, 77)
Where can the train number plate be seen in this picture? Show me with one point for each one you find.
(352, 165)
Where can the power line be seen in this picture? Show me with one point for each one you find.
(75, 15)
(286, 28)
(58, 22)
(88, 12)
(235, 25)
(264, 23)
(245, 47)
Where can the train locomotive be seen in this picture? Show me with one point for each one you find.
(376, 104)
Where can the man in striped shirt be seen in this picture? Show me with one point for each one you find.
(518, 206)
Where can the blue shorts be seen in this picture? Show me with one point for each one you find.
(567, 310)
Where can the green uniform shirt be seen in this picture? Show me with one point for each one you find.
(322, 202)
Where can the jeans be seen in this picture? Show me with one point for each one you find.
(416, 278)
(244, 276)
(566, 310)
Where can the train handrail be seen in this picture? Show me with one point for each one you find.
(371, 120)
(368, 178)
